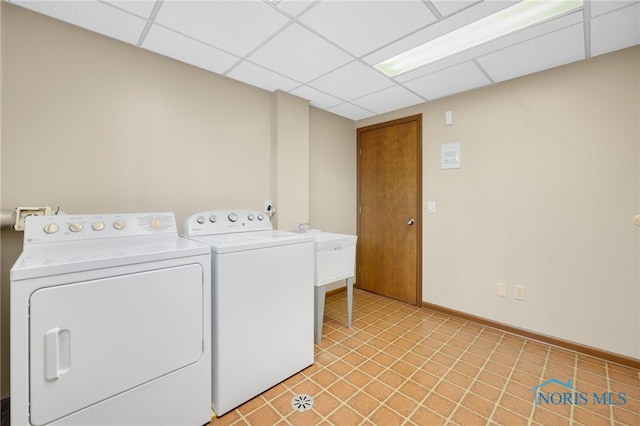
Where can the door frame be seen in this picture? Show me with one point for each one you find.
(418, 120)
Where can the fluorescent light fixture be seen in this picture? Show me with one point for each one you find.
(506, 21)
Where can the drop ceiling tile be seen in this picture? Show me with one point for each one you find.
(352, 81)
(299, 54)
(177, 46)
(552, 50)
(446, 82)
(92, 15)
(351, 111)
(466, 16)
(317, 98)
(262, 78)
(141, 8)
(599, 7)
(615, 30)
(293, 7)
(237, 27)
(448, 7)
(389, 99)
(363, 26)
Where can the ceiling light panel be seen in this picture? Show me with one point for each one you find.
(237, 27)
(615, 30)
(492, 27)
(446, 82)
(92, 15)
(299, 54)
(493, 46)
(437, 29)
(352, 81)
(177, 46)
(363, 26)
(552, 50)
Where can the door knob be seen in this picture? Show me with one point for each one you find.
(411, 221)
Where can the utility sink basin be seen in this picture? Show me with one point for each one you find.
(335, 260)
(335, 257)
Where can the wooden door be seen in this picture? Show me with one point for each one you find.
(390, 213)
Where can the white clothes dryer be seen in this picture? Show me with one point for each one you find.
(262, 303)
(110, 323)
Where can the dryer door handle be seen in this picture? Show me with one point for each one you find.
(57, 353)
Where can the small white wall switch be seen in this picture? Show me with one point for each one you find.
(448, 118)
(431, 206)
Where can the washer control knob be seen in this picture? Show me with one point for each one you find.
(200, 219)
(75, 227)
(232, 217)
(260, 216)
(119, 224)
(251, 216)
(213, 218)
(98, 226)
(51, 228)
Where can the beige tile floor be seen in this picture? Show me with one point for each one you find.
(403, 365)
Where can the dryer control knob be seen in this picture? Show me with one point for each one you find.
(213, 218)
(119, 224)
(98, 226)
(200, 219)
(251, 216)
(51, 228)
(232, 217)
(260, 216)
(155, 223)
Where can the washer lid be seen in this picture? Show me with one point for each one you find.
(242, 241)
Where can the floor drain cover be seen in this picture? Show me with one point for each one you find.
(302, 402)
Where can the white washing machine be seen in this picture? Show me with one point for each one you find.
(110, 323)
(262, 303)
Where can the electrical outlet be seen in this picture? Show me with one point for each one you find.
(23, 212)
(502, 290)
(267, 206)
(520, 292)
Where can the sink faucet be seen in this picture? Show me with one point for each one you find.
(303, 227)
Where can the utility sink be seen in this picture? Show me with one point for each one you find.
(335, 258)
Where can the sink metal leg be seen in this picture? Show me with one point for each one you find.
(318, 308)
(318, 312)
(349, 299)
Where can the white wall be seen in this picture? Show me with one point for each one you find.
(332, 179)
(545, 197)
